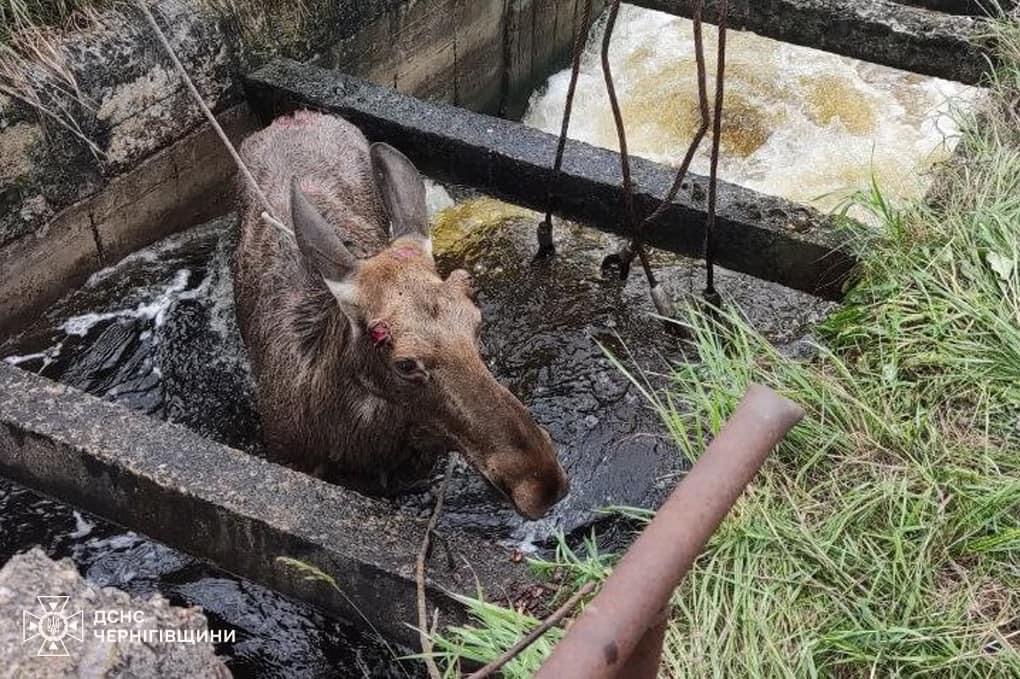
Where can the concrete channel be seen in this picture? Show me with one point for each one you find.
(240, 512)
(234, 509)
(67, 209)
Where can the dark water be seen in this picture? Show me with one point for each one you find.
(157, 334)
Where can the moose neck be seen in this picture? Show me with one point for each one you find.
(331, 347)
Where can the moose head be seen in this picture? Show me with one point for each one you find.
(419, 338)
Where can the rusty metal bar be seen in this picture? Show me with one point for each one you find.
(626, 616)
(647, 656)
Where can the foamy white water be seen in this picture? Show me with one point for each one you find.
(437, 198)
(798, 123)
(154, 309)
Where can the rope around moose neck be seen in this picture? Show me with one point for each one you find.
(267, 216)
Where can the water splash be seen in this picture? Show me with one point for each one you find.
(437, 198)
(153, 310)
(799, 123)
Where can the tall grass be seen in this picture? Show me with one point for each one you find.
(882, 538)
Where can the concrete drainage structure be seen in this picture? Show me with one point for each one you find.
(150, 167)
(238, 511)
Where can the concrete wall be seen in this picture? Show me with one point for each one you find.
(127, 159)
(765, 236)
(910, 36)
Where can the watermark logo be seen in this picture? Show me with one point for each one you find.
(52, 625)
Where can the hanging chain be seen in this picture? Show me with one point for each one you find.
(545, 239)
(710, 294)
(623, 259)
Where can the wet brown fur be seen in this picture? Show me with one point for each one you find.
(329, 399)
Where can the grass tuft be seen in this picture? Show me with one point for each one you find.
(33, 65)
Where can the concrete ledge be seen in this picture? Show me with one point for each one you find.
(233, 509)
(884, 32)
(973, 7)
(767, 237)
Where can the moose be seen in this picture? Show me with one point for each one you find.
(366, 362)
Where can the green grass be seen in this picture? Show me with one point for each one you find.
(882, 538)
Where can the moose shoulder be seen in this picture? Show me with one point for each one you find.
(366, 361)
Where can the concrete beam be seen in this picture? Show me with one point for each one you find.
(234, 509)
(880, 31)
(767, 237)
(973, 7)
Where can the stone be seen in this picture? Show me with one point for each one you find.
(45, 635)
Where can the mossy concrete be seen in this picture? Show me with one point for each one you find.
(128, 108)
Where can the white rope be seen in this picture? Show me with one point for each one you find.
(268, 218)
(267, 214)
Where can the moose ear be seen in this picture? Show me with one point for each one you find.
(403, 192)
(319, 242)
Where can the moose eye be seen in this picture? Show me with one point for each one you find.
(408, 368)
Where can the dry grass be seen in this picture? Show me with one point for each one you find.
(17, 16)
(33, 68)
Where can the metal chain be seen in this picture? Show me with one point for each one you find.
(710, 293)
(545, 239)
(623, 259)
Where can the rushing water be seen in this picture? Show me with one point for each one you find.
(798, 123)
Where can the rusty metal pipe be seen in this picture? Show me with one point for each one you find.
(644, 662)
(604, 637)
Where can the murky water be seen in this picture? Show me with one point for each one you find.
(798, 123)
(157, 334)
